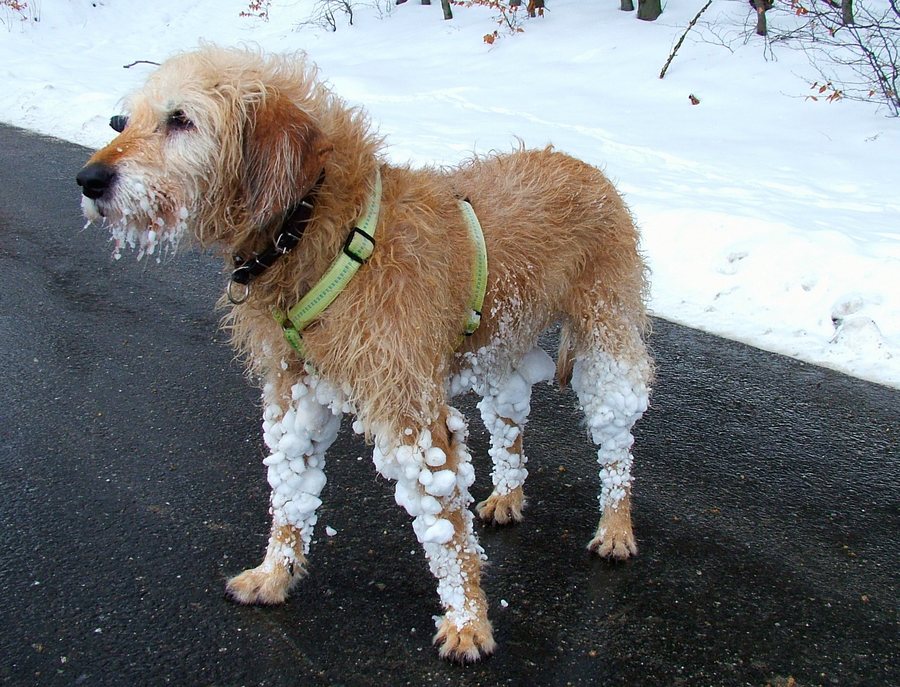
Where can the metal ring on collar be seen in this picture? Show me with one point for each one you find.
(237, 299)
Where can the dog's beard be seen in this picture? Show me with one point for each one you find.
(139, 217)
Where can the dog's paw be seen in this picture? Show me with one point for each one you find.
(266, 585)
(502, 509)
(609, 543)
(467, 645)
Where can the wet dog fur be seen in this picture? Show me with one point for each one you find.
(222, 143)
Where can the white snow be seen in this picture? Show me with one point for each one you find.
(440, 483)
(435, 457)
(536, 367)
(765, 215)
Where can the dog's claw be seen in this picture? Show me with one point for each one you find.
(614, 537)
(263, 585)
(469, 644)
(619, 545)
(500, 509)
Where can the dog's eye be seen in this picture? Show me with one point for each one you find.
(179, 120)
(118, 122)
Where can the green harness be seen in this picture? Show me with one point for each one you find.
(358, 248)
(479, 274)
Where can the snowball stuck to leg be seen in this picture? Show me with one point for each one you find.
(297, 439)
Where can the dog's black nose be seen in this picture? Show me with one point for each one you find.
(95, 179)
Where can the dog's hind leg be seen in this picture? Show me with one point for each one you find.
(433, 473)
(613, 389)
(298, 427)
(504, 410)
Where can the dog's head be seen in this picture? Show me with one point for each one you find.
(216, 145)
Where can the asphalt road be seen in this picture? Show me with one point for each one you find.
(131, 487)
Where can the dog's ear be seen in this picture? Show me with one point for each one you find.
(284, 154)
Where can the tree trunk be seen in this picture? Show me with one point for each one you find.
(847, 12)
(627, 6)
(649, 10)
(448, 13)
(761, 28)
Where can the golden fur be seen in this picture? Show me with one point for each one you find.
(562, 246)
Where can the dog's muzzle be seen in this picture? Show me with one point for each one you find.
(95, 179)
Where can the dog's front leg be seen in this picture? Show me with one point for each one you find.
(299, 426)
(433, 471)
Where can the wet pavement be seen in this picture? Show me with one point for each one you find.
(766, 504)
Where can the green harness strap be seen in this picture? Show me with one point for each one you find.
(479, 274)
(358, 247)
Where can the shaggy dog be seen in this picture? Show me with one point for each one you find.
(238, 150)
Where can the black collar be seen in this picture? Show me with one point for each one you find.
(292, 229)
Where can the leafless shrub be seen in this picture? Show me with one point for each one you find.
(330, 14)
(854, 46)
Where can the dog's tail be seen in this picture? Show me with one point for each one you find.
(564, 359)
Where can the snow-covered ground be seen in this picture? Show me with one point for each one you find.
(766, 217)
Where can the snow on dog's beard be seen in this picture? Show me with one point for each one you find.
(141, 215)
(161, 166)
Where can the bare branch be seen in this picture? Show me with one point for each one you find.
(129, 66)
(681, 40)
